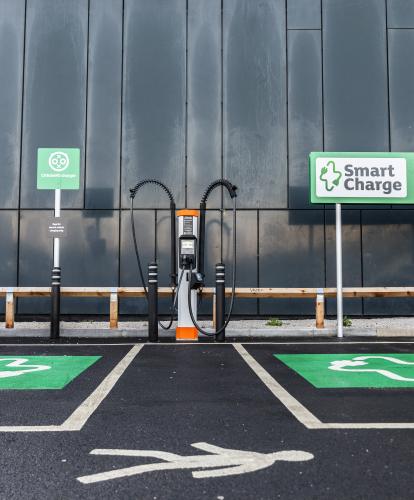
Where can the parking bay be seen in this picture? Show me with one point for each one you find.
(172, 396)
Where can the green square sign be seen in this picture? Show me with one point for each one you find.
(41, 372)
(326, 371)
(58, 168)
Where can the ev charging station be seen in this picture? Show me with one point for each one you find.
(190, 243)
(187, 259)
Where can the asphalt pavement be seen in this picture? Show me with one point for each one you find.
(207, 421)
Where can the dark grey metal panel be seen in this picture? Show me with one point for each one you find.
(304, 110)
(8, 247)
(351, 257)
(304, 14)
(36, 258)
(401, 46)
(55, 90)
(163, 256)
(129, 274)
(89, 257)
(102, 175)
(387, 243)
(246, 256)
(400, 13)
(204, 99)
(255, 101)
(291, 249)
(12, 16)
(153, 143)
(355, 76)
(212, 256)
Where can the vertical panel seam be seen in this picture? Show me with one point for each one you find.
(222, 103)
(287, 109)
(323, 117)
(257, 257)
(21, 150)
(120, 144)
(388, 75)
(121, 179)
(221, 123)
(322, 81)
(186, 110)
(85, 141)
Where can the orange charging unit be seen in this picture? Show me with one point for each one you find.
(187, 263)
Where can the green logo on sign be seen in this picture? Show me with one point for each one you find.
(353, 370)
(58, 168)
(330, 176)
(41, 372)
(59, 161)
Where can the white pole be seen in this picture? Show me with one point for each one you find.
(339, 299)
(56, 242)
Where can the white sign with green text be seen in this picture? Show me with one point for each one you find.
(361, 177)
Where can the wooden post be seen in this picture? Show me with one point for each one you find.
(320, 309)
(9, 309)
(113, 310)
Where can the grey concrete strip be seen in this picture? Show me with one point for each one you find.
(242, 333)
(395, 332)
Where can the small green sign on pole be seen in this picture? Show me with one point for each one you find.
(58, 168)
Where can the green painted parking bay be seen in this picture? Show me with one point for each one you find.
(323, 378)
(41, 372)
(44, 385)
(373, 370)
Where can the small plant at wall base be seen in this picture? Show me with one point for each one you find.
(274, 322)
(347, 321)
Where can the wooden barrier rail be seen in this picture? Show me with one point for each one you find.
(11, 293)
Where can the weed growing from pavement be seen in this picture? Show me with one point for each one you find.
(274, 322)
(347, 321)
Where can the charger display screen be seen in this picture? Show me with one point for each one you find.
(187, 246)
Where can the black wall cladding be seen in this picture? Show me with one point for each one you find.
(188, 91)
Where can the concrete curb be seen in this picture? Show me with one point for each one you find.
(262, 333)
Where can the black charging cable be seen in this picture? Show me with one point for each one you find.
(232, 192)
(173, 263)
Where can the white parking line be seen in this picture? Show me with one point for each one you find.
(300, 412)
(84, 411)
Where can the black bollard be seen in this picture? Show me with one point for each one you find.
(153, 302)
(220, 301)
(55, 300)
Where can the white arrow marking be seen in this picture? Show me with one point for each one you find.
(345, 365)
(20, 362)
(222, 461)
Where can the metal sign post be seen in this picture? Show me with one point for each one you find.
(57, 169)
(55, 315)
(339, 298)
(359, 178)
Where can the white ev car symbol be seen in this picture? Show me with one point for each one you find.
(19, 363)
(348, 365)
